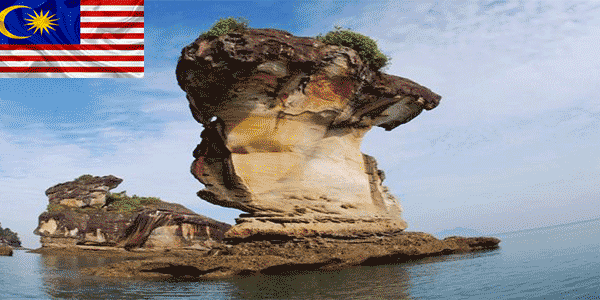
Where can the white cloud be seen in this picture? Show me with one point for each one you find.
(510, 59)
(158, 106)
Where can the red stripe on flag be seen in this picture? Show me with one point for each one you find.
(72, 58)
(112, 2)
(71, 69)
(112, 35)
(87, 13)
(112, 24)
(71, 47)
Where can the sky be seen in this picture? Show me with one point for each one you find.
(514, 143)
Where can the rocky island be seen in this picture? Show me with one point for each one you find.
(8, 241)
(83, 214)
(9, 237)
(283, 119)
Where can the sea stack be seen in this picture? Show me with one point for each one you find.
(284, 118)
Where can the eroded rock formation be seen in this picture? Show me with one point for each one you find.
(6, 250)
(9, 238)
(87, 190)
(82, 212)
(284, 118)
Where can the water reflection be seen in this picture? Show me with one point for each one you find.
(514, 271)
(388, 282)
(61, 278)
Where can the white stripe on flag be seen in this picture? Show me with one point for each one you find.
(112, 30)
(111, 8)
(71, 63)
(112, 19)
(112, 42)
(72, 75)
(70, 52)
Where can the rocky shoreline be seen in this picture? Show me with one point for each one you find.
(224, 260)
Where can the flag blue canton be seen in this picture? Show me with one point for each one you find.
(14, 19)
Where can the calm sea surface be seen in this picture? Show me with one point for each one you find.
(561, 262)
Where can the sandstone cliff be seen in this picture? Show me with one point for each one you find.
(284, 118)
(83, 212)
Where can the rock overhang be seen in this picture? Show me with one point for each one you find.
(209, 68)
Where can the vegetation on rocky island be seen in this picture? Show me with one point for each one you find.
(8, 237)
(123, 203)
(85, 179)
(365, 46)
(117, 202)
(225, 26)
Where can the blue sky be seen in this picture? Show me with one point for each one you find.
(513, 144)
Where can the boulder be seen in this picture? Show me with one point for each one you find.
(87, 190)
(284, 118)
(6, 250)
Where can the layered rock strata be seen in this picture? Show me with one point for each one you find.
(120, 221)
(284, 118)
(87, 190)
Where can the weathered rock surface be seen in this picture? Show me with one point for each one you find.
(284, 118)
(127, 222)
(87, 190)
(6, 250)
(9, 238)
(277, 257)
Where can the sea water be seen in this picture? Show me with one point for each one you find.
(560, 262)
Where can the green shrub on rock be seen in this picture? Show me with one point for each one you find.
(225, 26)
(85, 179)
(52, 207)
(123, 203)
(365, 46)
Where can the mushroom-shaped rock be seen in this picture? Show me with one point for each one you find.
(284, 118)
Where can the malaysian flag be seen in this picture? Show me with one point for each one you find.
(72, 38)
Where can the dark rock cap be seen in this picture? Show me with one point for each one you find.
(209, 67)
(83, 184)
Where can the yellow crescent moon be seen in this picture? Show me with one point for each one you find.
(3, 14)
